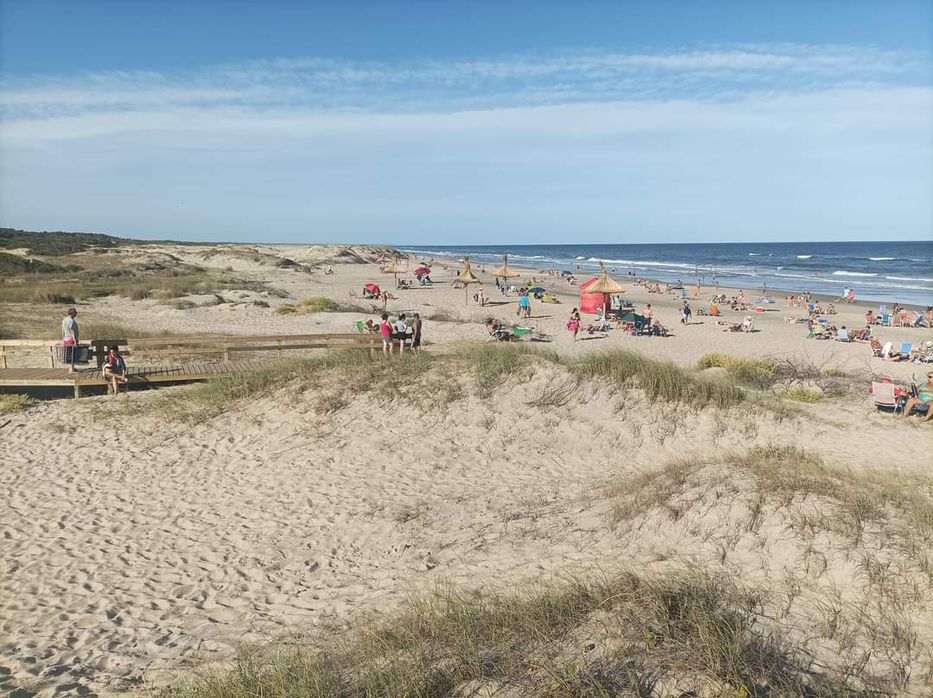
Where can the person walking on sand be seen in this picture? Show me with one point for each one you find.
(385, 331)
(574, 323)
(687, 313)
(70, 336)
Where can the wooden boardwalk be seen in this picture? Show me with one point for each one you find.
(141, 375)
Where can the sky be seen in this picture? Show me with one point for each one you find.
(468, 122)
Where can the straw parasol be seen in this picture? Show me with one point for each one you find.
(395, 269)
(505, 272)
(467, 277)
(605, 285)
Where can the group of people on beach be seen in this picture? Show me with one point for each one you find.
(400, 332)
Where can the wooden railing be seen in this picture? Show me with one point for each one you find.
(222, 346)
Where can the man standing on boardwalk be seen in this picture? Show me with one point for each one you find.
(70, 337)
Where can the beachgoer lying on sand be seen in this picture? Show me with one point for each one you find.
(888, 352)
(923, 403)
(657, 329)
(115, 369)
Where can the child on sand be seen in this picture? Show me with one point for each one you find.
(574, 323)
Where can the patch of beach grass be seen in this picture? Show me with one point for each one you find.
(798, 393)
(903, 503)
(13, 403)
(285, 309)
(622, 634)
(316, 305)
(662, 380)
(70, 292)
(758, 373)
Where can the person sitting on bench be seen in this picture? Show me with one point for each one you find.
(115, 368)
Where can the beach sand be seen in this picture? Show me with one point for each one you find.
(135, 548)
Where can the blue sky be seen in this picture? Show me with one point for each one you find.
(477, 122)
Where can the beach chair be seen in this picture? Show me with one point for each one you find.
(842, 335)
(886, 320)
(360, 325)
(906, 350)
(883, 396)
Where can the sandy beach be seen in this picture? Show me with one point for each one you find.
(136, 547)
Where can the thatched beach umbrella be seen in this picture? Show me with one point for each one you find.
(466, 277)
(395, 269)
(505, 271)
(605, 285)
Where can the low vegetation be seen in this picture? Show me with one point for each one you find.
(800, 394)
(308, 306)
(813, 523)
(12, 403)
(12, 265)
(663, 380)
(754, 372)
(55, 244)
(134, 288)
(622, 635)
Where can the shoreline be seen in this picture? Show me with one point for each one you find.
(590, 268)
(778, 295)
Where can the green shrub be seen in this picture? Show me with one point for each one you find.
(285, 309)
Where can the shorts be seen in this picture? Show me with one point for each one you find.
(922, 407)
(386, 341)
(416, 341)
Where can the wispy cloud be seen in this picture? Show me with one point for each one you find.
(781, 141)
(452, 85)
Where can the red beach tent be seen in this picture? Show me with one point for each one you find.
(589, 302)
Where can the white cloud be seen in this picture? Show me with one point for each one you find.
(452, 85)
(727, 142)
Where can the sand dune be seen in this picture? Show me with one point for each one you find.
(136, 547)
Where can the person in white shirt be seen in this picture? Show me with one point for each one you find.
(70, 337)
(401, 332)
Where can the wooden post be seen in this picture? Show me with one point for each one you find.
(77, 391)
(2, 357)
(52, 357)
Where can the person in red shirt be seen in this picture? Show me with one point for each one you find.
(115, 368)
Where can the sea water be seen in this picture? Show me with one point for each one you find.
(888, 271)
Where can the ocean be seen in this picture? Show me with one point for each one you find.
(888, 272)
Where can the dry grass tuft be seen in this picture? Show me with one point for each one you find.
(13, 403)
(622, 635)
(663, 380)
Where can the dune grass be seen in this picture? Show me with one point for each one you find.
(13, 403)
(788, 473)
(620, 635)
(134, 288)
(800, 394)
(758, 373)
(660, 380)
(491, 367)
